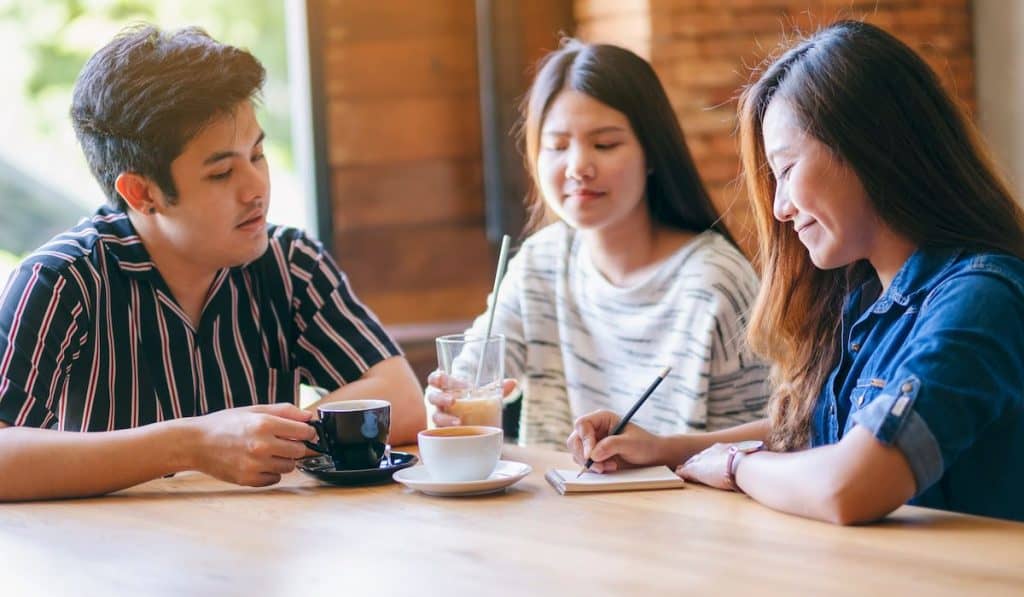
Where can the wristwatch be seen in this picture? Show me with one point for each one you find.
(736, 453)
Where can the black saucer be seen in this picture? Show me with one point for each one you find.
(322, 468)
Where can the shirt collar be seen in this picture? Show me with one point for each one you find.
(919, 274)
(122, 241)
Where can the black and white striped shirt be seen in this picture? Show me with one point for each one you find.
(91, 338)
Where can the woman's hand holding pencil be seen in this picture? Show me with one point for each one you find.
(588, 435)
(591, 439)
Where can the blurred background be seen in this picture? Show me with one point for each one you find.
(388, 120)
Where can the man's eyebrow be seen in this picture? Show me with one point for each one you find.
(220, 155)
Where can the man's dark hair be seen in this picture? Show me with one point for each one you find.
(147, 93)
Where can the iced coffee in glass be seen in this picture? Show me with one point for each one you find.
(474, 368)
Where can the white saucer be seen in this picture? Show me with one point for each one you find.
(504, 475)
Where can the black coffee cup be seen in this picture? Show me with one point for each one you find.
(354, 433)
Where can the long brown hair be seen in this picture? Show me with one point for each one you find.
(618, 78)
(881, 110)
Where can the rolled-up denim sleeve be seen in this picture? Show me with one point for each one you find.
(961, 370)
(892, 420)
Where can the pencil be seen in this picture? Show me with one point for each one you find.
(629, 415)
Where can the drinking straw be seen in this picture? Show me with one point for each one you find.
(498, 276)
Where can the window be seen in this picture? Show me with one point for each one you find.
(45, 183)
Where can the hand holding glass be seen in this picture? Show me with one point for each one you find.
(472, 369)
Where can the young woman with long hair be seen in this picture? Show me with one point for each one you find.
(892, 298)
(633, 270)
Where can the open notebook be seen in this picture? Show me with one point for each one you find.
(651, 477)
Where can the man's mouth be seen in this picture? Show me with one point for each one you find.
(254, 220)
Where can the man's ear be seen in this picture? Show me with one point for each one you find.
(137, 191)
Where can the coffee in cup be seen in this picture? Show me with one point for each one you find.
(463, 453)
(354, 433)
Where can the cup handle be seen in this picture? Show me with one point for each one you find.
(319, 427)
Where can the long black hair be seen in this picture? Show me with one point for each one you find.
(618, 78)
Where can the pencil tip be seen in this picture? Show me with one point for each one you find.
(664, 372)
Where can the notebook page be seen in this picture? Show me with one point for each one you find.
(632, 475)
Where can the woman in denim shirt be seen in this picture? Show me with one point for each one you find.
(892, 301)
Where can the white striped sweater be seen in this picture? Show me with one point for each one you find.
(578, 343)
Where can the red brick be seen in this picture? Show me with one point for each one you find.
(589, 9)
(725, 145)
(609, 29)
(720, 169)
(700, 147)
(678, 48)
(708, 121)
(923, 16)
(761, 22)
(703, 23)
(639, 45)
(705, 73)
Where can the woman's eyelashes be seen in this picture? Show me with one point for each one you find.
(565, 146)
(784, 172)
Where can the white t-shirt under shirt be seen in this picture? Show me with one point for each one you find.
(577, 343)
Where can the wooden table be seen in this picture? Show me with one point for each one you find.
(192, 535)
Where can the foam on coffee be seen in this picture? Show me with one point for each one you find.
(465, 431)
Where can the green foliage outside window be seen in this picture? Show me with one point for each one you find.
(45, 44)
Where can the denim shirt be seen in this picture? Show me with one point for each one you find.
(935, 367)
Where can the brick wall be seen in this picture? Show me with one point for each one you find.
(702, 51)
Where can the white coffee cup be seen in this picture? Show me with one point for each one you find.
(464, 453)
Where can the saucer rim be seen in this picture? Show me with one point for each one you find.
(463, 488)
(393, 469)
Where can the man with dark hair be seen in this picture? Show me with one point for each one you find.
(175, 325)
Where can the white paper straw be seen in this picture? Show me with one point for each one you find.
(498, 276)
